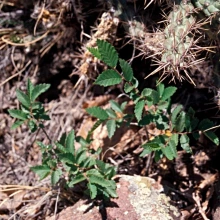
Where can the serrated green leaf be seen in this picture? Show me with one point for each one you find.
(146, 92)
(135, 82)
(30, 88)
(92, 190)
(17, 124)
(52, 163)
(146, 120)
(155, 97)
(98, 180)
(44, 117)
(42, 171)
(108, 53)
(80, 156)
(161, 121)
(55, 176)
(88, 162)
(77, 179)
(66, 158)
(62, 139)
(162, 105)
(158, 155)
(69, 143)
(25, 110)
(196, 135)
(168, 152)
(37, 105)
(128, 88)
(43, 146)
(96, 125)
(108, 78)
(126, 69)
(111, 113)
(95, 52)
(111, 190)
(17, 114)
(212, 136)
(123, 105)
(184, 143)
(38, 90)
(138, 110)
(93, 172)
(82, 141)
(111, 127)
(145, 152)
(205, 124)
(32, 125)
(106, 169)
(23, 98)
(175, 138)
(61, 148)
(115, 106)
(97, 112)
(160, 89)
(153, 146)
(175, 112)
(191, 112)
(180, 122)
(172, 146)
(168, 92)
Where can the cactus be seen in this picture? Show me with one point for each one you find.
(209, 7)
(178, 41)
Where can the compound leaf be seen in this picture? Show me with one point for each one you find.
(108, 78)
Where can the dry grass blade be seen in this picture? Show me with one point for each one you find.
(16, 74)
